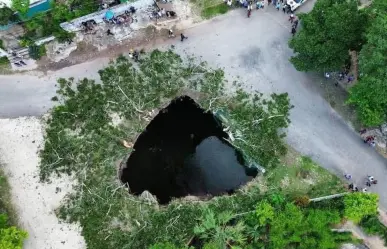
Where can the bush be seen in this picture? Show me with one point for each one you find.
(10, 237)
(359, 205)
(36, 52)
(4, 60)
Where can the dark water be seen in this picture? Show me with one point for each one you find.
(183, 152)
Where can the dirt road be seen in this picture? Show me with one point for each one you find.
(256, 50)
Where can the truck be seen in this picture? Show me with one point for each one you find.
(294, 4)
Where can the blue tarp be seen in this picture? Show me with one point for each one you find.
(37, 8)
(109, 15)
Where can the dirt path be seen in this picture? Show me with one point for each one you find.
(35, 203)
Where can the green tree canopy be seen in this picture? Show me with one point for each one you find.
(369, 95)
(21, 6)
(359, 205)
(329, 31)
(6, 15)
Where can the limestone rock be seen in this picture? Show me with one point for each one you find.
(148, 197)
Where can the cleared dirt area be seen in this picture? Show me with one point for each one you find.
(35, 202)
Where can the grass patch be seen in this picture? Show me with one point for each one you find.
(5, 199)
(212, 11)
(300, 176)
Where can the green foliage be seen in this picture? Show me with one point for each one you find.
(369, 95)
(36, 52)
(60, 12)
(329, 31)
(359, 205)
(4, 60)
(10, 237)
(372, 226)
(163, 246)
(212, 11)
(6, 15)
(26, 42)
(81, 139)
(264, 213)
(21, 6)
(217, 229)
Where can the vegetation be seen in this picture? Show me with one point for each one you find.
(330, 31)
(61, 12)
(358, 205)
(36, 52)
(215, 10)
(84, 140)
(369, 95)
(372, 226)
(4, 60)
(6, 15)
(10, 236)
(21, 6)
(81, 139)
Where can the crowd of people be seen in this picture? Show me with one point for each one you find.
(260, 4)
(368, 183)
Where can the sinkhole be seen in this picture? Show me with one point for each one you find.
(183, 151)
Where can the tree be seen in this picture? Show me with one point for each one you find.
(328, 32)
(21, 6)
(6, 15)
(359, 205)
(369, 95)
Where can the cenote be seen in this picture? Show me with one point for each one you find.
(183, 151)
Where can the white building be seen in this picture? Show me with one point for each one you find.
(9, 2)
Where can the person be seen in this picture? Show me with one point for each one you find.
(350, 79)
(249, 10)
(348, 176)
(182, 36)
(291, 18)
(327, 75)
(263, 4)
(284, 8)
(293, 31)
(109, 32)
(356, 189)
(368, 184)
(259, 4)
(268, 2)
(350, 186)
(229, 3)
(373, 144)
(170, 33)
(370, 178)
(341, 76)
(278, 6)
(135, 55)
(295, 23)
(368, 139)
(364, 190)
(363, 131)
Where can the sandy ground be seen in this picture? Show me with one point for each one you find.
(35, 203)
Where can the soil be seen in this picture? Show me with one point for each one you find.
(183, 151)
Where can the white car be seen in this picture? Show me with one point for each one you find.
(294, 4)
